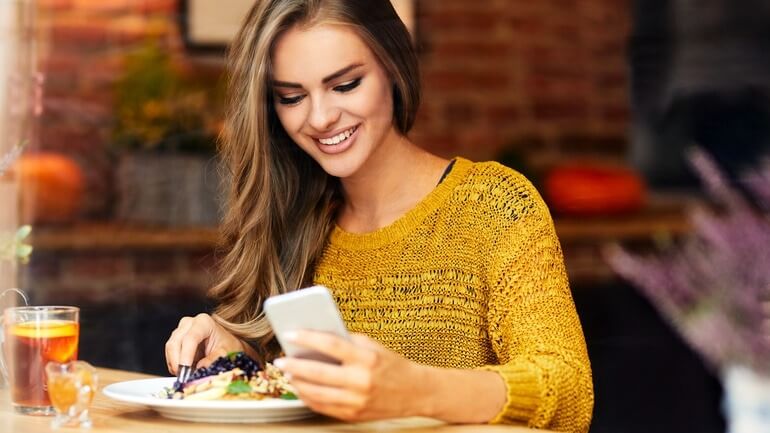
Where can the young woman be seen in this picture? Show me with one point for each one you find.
(449, 272)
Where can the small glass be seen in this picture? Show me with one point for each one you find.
(71, 388)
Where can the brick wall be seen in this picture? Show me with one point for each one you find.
(84, 45)
(104, 276)
(545, 78)
(130, 299)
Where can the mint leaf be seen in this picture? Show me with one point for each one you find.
(23, 251)
(289, 396)
(238, 387)
(23, 232)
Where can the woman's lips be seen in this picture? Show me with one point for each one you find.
(330, 148)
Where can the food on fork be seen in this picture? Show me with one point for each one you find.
(232, 377)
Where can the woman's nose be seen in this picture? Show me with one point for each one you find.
(323, 116)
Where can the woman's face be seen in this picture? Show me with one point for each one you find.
(332, 96)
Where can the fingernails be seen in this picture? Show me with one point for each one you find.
(279, 362)
(290, 336)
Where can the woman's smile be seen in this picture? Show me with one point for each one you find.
(337, 143)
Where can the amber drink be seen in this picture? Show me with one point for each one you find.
(35, 336)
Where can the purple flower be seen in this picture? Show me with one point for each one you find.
(713, 286)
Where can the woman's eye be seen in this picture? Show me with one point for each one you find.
(289, 100)
(346, 87)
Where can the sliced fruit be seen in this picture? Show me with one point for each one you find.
(210, 394)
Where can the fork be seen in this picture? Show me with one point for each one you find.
(183, 373)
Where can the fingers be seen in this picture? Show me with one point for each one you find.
(211, 357)
(184, 344)
(362, 340)
(335, 400)
(173, 344)
(345, 413)
(201, 329)
(328, 344)
(320, 373)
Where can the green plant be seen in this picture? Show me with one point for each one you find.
(14, 248)
(158, 106)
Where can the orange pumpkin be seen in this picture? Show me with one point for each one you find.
(588, 189)
(51, 187)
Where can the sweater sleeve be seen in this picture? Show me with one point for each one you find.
(533, 325)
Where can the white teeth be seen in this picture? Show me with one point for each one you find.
(338, 138)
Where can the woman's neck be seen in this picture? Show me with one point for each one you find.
(392, 182)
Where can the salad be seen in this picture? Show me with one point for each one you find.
(232, 377)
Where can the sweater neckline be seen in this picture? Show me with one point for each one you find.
(407, 222)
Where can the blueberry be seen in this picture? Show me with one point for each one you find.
(222, 364)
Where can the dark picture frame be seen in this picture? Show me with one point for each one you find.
(208, 25)
(204, 33)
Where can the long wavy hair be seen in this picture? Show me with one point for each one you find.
(281, 205)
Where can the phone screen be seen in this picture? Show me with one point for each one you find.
(313, 309)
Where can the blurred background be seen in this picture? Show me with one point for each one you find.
(109, 110)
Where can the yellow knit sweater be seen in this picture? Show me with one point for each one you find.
(472, 277)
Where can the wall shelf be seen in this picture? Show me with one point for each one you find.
(116, 236)
(582, 238)
(108, 236)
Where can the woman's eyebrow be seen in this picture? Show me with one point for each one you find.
(341, 72)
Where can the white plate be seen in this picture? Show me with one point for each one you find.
(144, 391)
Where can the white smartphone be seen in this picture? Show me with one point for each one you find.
(313, 309)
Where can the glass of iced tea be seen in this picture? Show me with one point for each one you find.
(33, 337)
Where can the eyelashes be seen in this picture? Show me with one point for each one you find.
(347, 87)
(342, 88)
(294, 100)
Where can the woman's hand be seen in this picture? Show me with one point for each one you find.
(199, 338)
(371, 383)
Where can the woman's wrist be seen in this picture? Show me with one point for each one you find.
(460, 396)
(436, 395)
(426, 380)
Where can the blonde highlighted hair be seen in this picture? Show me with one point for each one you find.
(281, 204)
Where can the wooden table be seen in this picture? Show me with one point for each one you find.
(111, 416)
